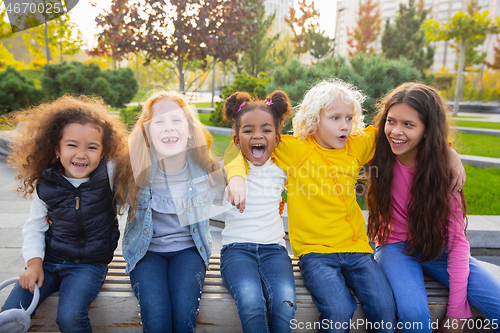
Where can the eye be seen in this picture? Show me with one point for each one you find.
(247, 131)
(93, 148)
(158, 121)
(177, 120)
(349, 118)
(408, 124)
(71, 145)
(267, 131)
(389, 121)
(335, 118)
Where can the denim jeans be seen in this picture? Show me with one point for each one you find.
(260, 279)
(78, 286)
(168, 286)
(327, 276)
(405, 274)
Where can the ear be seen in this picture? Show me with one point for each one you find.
(58, 151)
(236, 140)
(278, 139)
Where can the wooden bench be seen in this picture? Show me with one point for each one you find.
(116, 309)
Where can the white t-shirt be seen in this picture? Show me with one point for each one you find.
(260, 223)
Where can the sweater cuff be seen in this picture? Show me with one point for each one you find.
(461, 312)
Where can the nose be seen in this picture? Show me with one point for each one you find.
(257, 135)
(169, 126)
(81, 154)
(343, 125)
(397, 130)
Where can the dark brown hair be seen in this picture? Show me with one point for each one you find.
(277, 104)
(429, 206)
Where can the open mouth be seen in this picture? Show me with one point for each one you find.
(398, 143)
(343, 137)
(170, 140)
(258, 150)
(79, 165)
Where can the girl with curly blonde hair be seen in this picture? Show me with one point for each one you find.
(63, 157)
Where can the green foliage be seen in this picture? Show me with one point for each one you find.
(481, 190)
(17, 91)
(406, 38)
(129, 115)
(256, 58)
(374, 75)
(116, 87)
(255, 86)
(318, 44)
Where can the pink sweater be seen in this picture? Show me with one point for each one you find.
(457, 246)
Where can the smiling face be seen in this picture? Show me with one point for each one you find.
(169, 130)
(335, 126)
(257, 136)
(80, 150)
(404, 131)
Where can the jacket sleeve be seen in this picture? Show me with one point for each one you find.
(34, 230)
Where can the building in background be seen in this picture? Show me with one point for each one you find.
(282, 10)
(440, 10)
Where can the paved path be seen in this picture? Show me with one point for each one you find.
(487, 117)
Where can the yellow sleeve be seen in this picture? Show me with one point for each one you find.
(234, 163)
(362, 145)
(288, 151)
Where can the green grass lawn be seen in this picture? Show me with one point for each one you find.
(482, 190)
(475, 144)
(203, 105)
(220, 144)
(475, 124)
(205, 119)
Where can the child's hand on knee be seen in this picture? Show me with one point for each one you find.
(33, 274)
(235, 192)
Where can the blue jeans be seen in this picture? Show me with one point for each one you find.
(78, 286)
(168, 286)
(327, 276)
(260, 279)
(405, 274)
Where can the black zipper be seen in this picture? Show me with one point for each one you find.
(79, 225)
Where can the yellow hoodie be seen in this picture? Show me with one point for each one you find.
(323, 215)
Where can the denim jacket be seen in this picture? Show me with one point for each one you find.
(200, 194)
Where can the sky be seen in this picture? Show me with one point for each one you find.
(84, 16)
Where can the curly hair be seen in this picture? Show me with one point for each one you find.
(136, 172)
(429, 209)
(34, 148)
(322, 97)
(239, 103)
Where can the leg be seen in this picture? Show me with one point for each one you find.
(362, 273)
(407, 281)
(483, 288)
(279, 286)
(186, 274)
(323, 277)
(80, 284)
(241, 276)
(21, 297)
(150, 285)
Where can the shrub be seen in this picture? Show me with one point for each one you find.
(255, 86)
(130, 115)
(17, 91)
(116, 87)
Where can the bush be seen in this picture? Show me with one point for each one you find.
(17, 91)
(116, 87)
(130, 115)
(374, 75)
(255, 86)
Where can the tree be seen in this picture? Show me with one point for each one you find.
(182, 32)
(367, 30)
(63, 37)
(6, 58)
(115, 31)
(257, 58)
(407, 38)
(318, 44)
(301, 24)
(461, 28)
(496, 57)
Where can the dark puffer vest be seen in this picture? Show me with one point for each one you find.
(84, 225)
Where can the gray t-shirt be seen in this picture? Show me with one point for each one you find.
(171, 231)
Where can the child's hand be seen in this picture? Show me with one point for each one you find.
(236, 192)
(451, 325)
(33, 274)
(457, 172)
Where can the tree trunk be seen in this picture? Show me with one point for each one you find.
(181, 77)
(459, 77)
(114, 62)
(47, 42)
(213, 85)
(137, 76)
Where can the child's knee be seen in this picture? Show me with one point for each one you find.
(72, 321)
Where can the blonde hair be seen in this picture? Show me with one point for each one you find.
(137, 171)
(322, 97)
